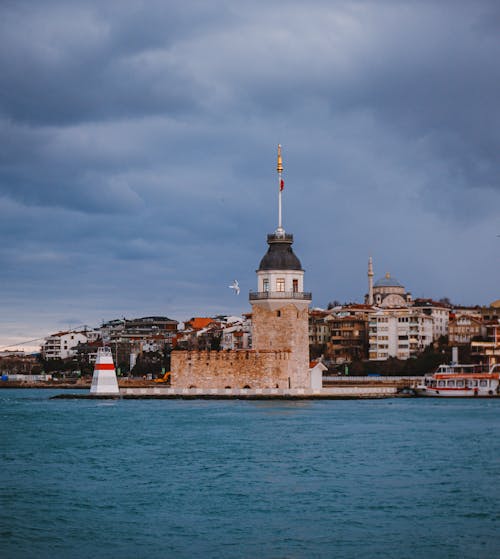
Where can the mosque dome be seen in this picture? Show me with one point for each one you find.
(280, 255)
(387, 281)
(495, 304)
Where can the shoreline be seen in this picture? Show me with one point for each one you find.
(289, 397)
(353, 392)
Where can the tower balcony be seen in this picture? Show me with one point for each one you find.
(263, 295)
(280, 238)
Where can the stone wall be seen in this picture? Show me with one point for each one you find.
(278, 326)
(233, 369)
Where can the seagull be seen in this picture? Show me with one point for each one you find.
(236, 286)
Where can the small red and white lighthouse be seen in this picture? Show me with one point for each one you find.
(104, 381)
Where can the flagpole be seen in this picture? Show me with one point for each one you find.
(279, 168)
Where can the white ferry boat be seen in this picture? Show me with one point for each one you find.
(460, 381)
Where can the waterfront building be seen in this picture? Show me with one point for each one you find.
(62, 345)
(439, 313)
(487, 351)
(464, 328)
(399, 333)
(319, 332)
(348, 329)
(279, 357)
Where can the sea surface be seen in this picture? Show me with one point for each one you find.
(392, 478)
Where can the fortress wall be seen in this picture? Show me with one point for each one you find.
(234, 369)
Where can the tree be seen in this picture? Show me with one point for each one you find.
(151, 362)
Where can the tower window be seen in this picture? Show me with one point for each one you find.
(280, 284)
(278, 313)
(265, 285)
(295, 285)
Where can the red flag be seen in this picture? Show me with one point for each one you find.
(282, 184)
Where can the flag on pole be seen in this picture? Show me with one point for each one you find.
(282, 184)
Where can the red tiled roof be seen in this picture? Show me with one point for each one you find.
(199, 322)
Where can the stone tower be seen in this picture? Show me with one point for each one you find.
(280, 315)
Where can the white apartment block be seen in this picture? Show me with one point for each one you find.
(440, 316)
(62, 345)
(398, 333)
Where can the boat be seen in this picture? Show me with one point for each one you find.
(461, 381)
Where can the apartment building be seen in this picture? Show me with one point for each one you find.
(439, 313)
(398, 333)
(464, 328)
(348, 327)
(319, 332)
(62, 345)
(488, 351)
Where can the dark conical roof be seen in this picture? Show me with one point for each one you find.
(280, 255)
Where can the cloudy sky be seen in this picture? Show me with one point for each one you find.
(138, 152)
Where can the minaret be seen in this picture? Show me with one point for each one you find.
(370, 281)
(280, 316)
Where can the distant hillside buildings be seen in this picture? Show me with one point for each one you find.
(129, 339)
(394, 326)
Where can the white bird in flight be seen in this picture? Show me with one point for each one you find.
(236, 286)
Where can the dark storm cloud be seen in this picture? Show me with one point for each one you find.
(67, 63)
(138, 150)
(427, 74)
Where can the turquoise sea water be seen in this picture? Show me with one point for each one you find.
(395, 478)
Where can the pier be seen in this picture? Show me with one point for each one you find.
(331, 393)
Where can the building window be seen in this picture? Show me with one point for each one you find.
(280, 284)
(265, 285)
(295, 285)
(278, 313)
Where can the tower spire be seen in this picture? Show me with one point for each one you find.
(279, 168)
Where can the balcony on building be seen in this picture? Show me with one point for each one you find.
(262, 295)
